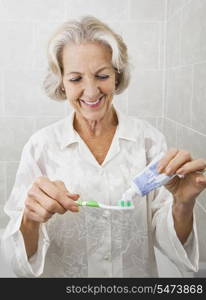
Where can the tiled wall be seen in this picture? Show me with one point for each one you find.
(166, 41)
(185, 86)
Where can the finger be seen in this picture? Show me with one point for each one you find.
(30, 215)
(178, 161)
(55, 193)
(36, 212)
(61, 185)
(48, 203)
(197, 165)
(170, 154)
(73, 196)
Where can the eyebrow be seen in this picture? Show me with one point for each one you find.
(99, 70)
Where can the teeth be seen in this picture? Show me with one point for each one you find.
(93, 103)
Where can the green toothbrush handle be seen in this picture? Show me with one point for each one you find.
(88, 203)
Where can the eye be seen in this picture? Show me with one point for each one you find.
(102, 77)
(75, 79)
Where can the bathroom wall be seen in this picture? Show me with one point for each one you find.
(184, 118)
(166, 43)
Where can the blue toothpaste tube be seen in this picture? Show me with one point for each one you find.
(149, 179)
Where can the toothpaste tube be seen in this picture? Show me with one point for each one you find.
(149, 179)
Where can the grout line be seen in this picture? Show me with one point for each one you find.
(138, 21)
(34, 46)
(192, 97)
(182, 125)
(129, 10)
(30, 117)
(180, 61)
(21, 20)
(65, 16)
(146, 69)
(176, 139)
(164, 79)
(2, 92)
(9, 161)
(161, 44)
(5, 183)
(187, 65)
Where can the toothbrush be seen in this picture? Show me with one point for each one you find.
(121, 205)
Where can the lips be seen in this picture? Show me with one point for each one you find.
(92, 103)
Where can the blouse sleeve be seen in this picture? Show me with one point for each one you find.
(13, 247)
(185, 257)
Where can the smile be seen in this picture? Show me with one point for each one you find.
(91, 103)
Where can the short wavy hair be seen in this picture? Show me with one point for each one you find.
(87, 29)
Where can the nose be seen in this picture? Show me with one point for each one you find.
(91, 90)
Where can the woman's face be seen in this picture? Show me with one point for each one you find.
(89, 79)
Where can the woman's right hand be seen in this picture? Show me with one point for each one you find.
(45, 198)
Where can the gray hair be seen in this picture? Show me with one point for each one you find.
(88, 29)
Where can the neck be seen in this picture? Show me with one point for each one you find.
(95, 128)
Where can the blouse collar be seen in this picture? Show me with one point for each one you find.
(125, 129)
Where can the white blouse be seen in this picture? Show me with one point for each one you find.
(96, 242)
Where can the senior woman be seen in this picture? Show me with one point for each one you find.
(92, 155)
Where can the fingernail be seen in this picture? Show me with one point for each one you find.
(75, 208)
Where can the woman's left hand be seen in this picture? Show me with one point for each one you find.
(185, 189)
